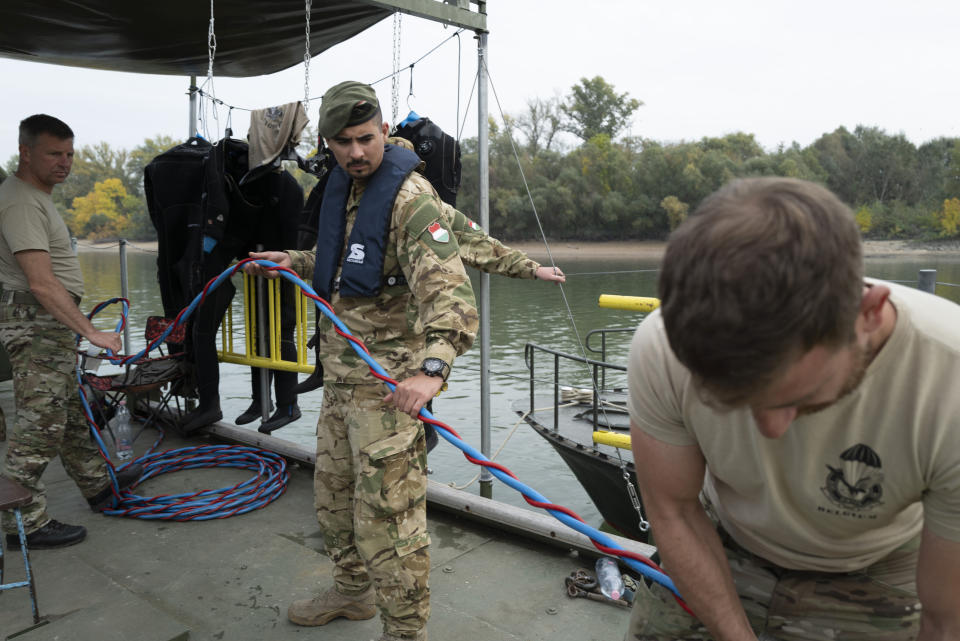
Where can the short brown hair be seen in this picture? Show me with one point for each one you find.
(764, 270)
(32, 126)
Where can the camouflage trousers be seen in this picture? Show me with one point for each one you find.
(49, 419)
(370, 488)
(877, 603)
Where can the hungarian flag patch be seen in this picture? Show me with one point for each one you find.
(439, 234)
(474, 226)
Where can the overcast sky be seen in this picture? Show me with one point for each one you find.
(784, 71)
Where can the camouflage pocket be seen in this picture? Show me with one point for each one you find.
(412, 543)
(392, 479)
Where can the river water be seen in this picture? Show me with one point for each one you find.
(521, 311)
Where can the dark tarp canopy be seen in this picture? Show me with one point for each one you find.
(170, 37)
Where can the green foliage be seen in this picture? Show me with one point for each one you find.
(638, 188)
(594, 108)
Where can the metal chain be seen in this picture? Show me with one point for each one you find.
(306, 58)
(208, 85)
(395, 82)
(211, 46)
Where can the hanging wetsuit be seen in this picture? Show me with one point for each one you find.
(237, 219)
(439, 151)
(204, 221)
(173, 186)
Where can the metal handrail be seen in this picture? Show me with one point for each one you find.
(529, 352)
(603, 331)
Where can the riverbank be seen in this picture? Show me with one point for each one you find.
(636, 249)
(653, 250)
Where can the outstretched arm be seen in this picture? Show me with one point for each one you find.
(484, 252)
(670, 479)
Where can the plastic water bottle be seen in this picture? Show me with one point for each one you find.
(608, 576)
(123, 433)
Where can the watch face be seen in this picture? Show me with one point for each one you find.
(433, 366)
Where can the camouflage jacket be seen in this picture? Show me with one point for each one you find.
(480, 250)
(433, 314)
(477, 248)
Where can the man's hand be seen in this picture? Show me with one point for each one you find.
(280, 258)
(413, 393)
(106, 340)
(551, 274)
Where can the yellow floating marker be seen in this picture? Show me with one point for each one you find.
(641, 304)
(615, 439)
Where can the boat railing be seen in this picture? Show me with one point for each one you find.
(530, 351)
(602, 333)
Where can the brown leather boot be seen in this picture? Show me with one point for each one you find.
(330, 604)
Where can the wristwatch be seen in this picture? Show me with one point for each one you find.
(435, 367)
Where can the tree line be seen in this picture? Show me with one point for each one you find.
(602, 186)
(586, 181)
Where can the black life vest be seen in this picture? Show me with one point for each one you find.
(362, 273)
(441, 154)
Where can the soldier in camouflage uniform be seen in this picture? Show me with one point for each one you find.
(410, 301)
(41, 288)
(795, 431)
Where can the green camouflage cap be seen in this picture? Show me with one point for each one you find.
(345, 105)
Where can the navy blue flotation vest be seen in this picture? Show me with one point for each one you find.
(362, 273)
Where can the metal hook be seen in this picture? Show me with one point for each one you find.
(410, 94)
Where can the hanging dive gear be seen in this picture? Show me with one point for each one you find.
(439, 151)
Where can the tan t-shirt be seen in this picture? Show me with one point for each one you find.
(30, 220)
(844, 486)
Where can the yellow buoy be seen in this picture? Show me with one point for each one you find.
(641, 304)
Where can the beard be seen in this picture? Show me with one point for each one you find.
(861, 359)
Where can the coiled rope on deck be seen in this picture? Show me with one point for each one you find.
(268, 483)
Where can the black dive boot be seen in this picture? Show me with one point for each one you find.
(315, 379)
(200, 418)
(285, 414)
(249, 415)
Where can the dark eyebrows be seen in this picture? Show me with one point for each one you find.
(345, 140)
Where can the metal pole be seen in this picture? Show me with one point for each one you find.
(266, 403)
(125, 293)
(486, 478)
(192, 126)
(927, 280)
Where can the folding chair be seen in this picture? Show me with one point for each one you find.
(150, 384)
(12, 497)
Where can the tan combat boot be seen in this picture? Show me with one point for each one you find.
(330, 604)
(421, 636)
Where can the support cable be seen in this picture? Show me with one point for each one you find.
(643, 524)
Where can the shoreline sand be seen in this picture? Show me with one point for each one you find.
(640, 250)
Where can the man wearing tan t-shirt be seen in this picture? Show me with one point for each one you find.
(40, 288)
(795, 431)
